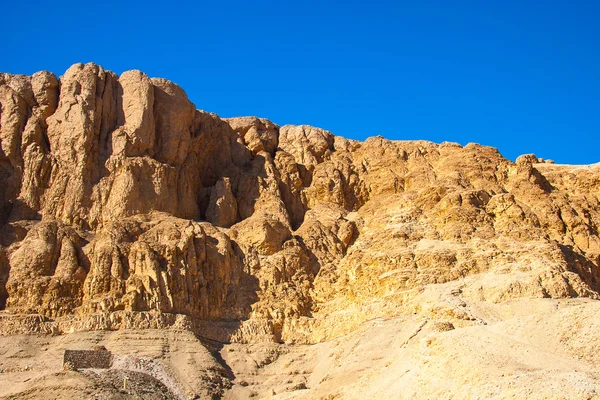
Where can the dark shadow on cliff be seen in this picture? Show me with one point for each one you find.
(215, 349)
(541, 181)
(4, 270)
(588, 270)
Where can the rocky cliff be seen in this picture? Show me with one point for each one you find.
(122, 205)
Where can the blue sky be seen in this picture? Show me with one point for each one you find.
(523, 76)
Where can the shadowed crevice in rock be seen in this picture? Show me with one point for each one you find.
(587, 269)
(542, 182)
(5, 209)
(4, 271)
(215, 349)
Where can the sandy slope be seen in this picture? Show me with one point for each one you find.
(549, 350)
(541, 355)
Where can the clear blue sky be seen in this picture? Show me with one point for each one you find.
(523, 76)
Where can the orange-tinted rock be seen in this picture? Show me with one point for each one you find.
(118, 196)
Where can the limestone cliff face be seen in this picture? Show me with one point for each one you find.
(118, 196)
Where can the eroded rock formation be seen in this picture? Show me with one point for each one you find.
(118, 196)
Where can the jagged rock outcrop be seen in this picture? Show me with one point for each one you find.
(47, 271)
(222, 205)
(118, 196)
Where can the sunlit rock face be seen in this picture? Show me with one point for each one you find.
(119, 198)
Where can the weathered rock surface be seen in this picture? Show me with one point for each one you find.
(121, 205)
